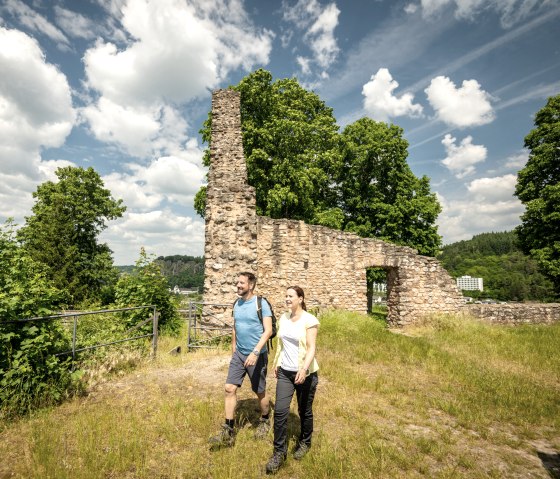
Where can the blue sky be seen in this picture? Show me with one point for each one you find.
(124, 86)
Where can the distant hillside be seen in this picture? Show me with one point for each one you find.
(508, 274)
(180, 270)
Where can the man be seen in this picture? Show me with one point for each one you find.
(249, 357)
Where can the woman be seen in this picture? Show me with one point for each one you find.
(295, 368)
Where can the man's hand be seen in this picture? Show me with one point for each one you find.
(251, 360)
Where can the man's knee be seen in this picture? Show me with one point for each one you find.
(230, 389)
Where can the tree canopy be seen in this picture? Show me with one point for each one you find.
(538, 189)
(63, 231)
(303, 168)
(290, 140)
(381, 197)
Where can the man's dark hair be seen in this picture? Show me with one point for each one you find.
(251, 277)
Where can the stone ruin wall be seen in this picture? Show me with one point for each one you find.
(330, 265)
(516, 313)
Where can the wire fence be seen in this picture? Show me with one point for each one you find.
(76, 315)
(206, 324)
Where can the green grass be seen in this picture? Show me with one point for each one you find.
(450, 398)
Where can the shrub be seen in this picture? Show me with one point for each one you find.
(30, 372)
(145, 286)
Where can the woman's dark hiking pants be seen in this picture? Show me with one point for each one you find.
(305, 393)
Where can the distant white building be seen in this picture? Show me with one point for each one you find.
(469, 283)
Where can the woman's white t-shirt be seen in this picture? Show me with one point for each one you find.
(289, 335)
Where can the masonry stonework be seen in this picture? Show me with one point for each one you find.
(329, 265)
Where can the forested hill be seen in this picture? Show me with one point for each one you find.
(180, 270)
(508, 274)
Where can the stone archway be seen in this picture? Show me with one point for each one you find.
(329, 264)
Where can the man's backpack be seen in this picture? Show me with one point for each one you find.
(259, 314)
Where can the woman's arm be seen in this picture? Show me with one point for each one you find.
(311, 339)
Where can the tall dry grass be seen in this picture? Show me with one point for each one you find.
(450, 398)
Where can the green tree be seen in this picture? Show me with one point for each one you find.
(145, 286)
(30, 372)
(538, 189)
(381, 197)
(291, 144)
(63, 231)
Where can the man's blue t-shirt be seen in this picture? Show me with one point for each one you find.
(248, 328)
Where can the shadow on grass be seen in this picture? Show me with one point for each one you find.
(551, 462)
(249, 412)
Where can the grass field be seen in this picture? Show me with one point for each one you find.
(452, 398)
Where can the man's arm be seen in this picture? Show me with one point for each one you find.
(233, 338)
(267, 332)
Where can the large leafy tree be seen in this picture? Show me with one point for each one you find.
(381, 197)
(303, 168)
(290, 140)
(63, 231)
(538, 189)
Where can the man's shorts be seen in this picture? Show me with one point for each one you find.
(257, 373)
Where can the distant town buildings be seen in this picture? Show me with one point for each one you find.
(469, 283)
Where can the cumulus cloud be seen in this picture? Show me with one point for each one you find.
(178, 51)
(488, 205)
(511, 12)
(461, 158)
(35, 112)
(161, 232)
(173, 179)
(380, 102)
(461, 107)
(319, 24)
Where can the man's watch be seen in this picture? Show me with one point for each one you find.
(256, 352)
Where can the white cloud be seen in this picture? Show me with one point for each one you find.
(319, 24)
(34, 21)
(461, 158)
(35, 113)
(411, 8)
(160, 232)
(461, 107)
(517, 160)
(173, 179)
(381, 104)
(510, 11)
(75, 24)
(488, 206)
(179, 51)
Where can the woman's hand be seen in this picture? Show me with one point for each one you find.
(300, 376)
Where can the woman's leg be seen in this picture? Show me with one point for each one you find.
(305, 395)
(284, 394)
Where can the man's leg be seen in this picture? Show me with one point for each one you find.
(257, 374)
(236, 373)
(264, 403)
(230, 400)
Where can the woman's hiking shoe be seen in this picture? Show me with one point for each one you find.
(275, 462)
(301, 451)
(225, 438)
(262, 429)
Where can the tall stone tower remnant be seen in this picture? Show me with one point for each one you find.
(329, 265)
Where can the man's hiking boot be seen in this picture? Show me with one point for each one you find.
(301, 451)
(275, 462)
(225, 438)
(262, 429)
